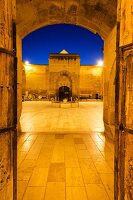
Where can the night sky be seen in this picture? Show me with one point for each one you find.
(54, 38)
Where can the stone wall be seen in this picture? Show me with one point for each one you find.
(36, 80)
(8, 89)
(126, 25)
(98, 16)
(64, 70)
(126, 98)
(109, 83)
(91, 81)
(42, 80)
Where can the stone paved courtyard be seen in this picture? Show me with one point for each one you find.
(63, 153)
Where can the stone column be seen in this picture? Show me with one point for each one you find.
(8, 93)
(109, 84)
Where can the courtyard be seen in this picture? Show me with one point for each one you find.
(63, 153)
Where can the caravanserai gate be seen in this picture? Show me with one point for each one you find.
(113, 21)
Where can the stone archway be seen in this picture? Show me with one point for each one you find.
(92, 15)
(64, 79)
(64, 87)
(64, 93)
(98, 16)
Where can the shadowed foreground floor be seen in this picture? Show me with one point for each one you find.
(63, 153)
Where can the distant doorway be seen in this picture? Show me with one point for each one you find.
(64, 93)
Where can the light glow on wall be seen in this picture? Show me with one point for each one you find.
(27, 62)
(27, 66)
(96, 72)
(100, 63)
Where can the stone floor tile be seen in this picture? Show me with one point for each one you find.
(70, 151)
(96, 192)
(71, 162)
(69, 143)
(76, 193)
(32, 137)
(83, 154)
(21, 139)
(92, 147)
(74, 177)
(34, 193)
(20, 157)
(97, 157)
(28, 165)
(23, 176)
(81, 146)
(21, 185)
(55, 191)
(58, 155)
(96, 138)
(39, 177)
(59, 136)
(26, 145)
(111, 164)
(62, 154)
(103, 167)
(103, 147)
(87, 139)
(34, 151)
(108, 182)
(91, 177)
(56, 172)
(87, 164)
(40, 139)
(25, 170)
(45, 153)
(78, 141)
(59, 143)
(108, 155)
(43, 162)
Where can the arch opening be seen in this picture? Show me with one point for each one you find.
(68, 68)
(64, 93)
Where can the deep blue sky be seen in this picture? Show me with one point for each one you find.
(52, 39)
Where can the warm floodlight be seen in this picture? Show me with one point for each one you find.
(27, 62)
(27, 65)
(100, 63)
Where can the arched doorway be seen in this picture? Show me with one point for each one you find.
(62, 82)
(71, 15)
(64, 93)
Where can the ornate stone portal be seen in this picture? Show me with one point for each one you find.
(64, 70)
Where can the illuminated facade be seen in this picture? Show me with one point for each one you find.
(63, 77)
